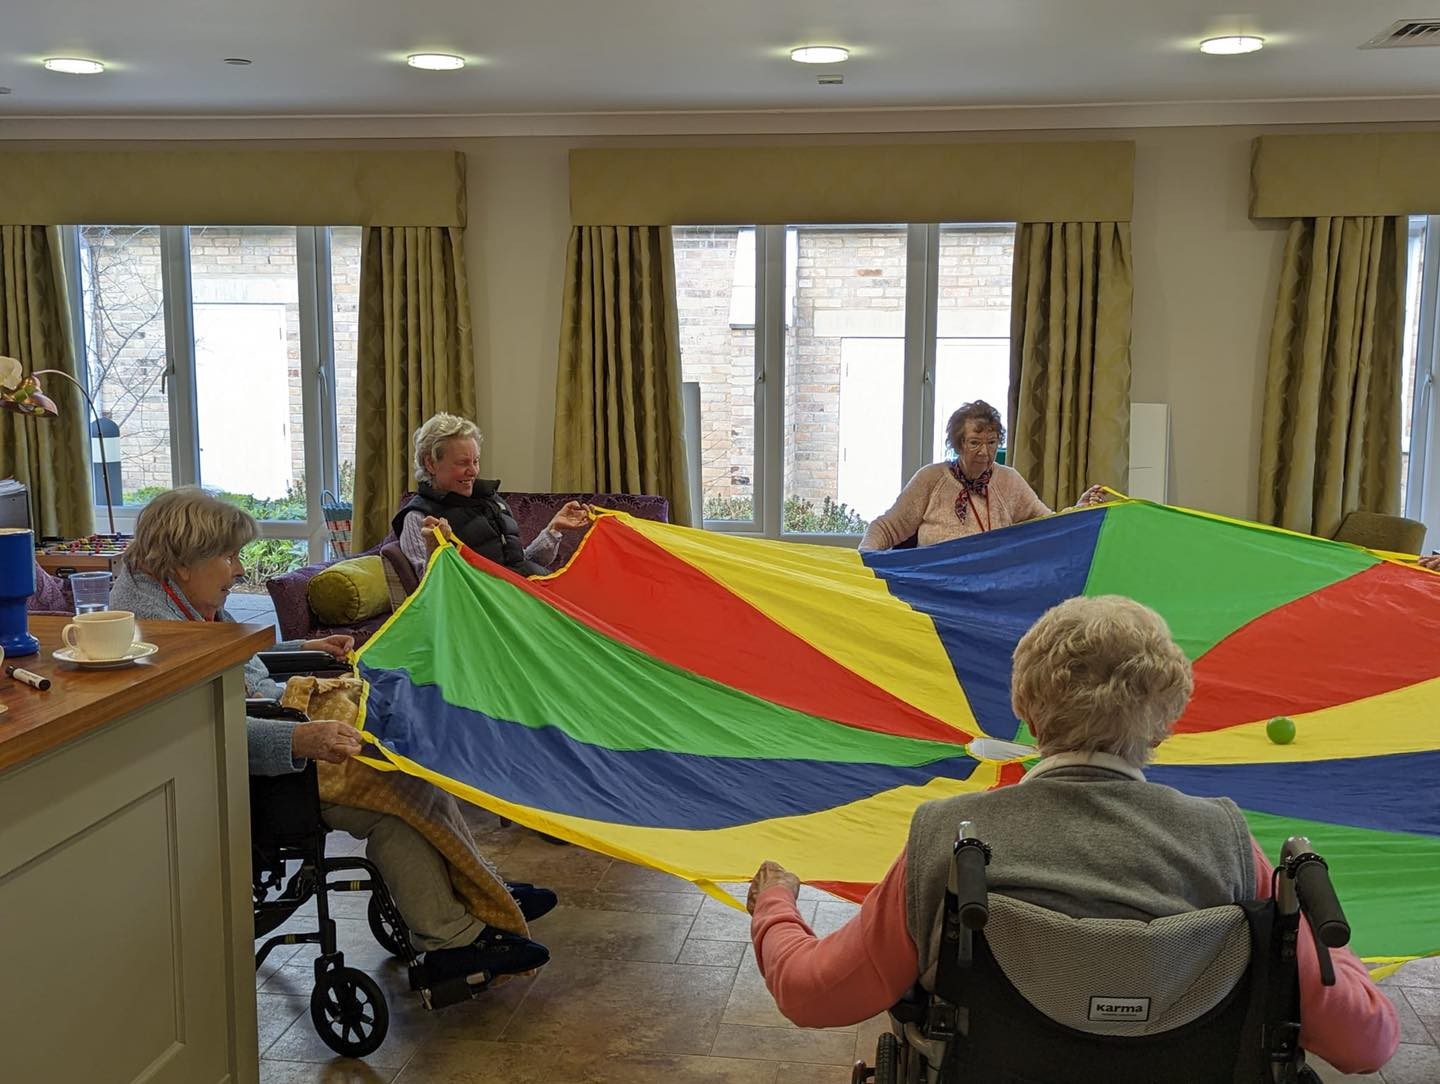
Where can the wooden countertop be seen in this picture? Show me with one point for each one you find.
(79, 701)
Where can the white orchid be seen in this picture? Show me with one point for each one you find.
(10, 373)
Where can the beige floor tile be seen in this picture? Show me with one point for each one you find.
(560, 868)
(409, 1029)
(1412, 1029)
(1425, 1000)
(1424, 972)
(712, 953)
(340, 1071)
(626, 899)
(750, 1001)
(512, 1063)
(830, 915)
(1413, 1063)
(626, 876)
(793, 1073)
(613, 935)
(622, 1007)
(785, 1044)
(275, 1013)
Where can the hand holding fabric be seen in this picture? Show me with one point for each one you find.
(325, 739)
(768, 876)
(339, 646)
(573, 516)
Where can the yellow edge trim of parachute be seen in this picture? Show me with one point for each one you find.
(662, 848)
(1398, 721)
(919, 673)
(1393, 556)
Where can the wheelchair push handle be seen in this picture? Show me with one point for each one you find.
(967, 872)
(1318, 902)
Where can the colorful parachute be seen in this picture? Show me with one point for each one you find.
(698, 702)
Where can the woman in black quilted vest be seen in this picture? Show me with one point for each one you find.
(452, 496)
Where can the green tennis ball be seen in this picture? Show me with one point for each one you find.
(1281, 730)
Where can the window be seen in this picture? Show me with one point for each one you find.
(225, 357)
(1420, 433)
(829, 358)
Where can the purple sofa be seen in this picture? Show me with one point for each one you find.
(531, 510)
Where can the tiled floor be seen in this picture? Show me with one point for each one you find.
(650, 981)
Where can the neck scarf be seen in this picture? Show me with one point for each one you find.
(976, 487)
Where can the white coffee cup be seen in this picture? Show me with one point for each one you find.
(100, 636)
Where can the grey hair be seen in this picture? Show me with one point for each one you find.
(183, 527)
(1100, 675)
(430, 440)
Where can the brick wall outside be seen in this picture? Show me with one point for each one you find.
(126, 339)
(839, 272)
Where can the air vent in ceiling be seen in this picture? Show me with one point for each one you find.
(830, 80)
(1406, 34)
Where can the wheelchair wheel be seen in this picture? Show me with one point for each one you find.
(389, 938)
(349, 1012)
(887, 1060)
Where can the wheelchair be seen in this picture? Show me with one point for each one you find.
(1023, 995)
(347, 1006)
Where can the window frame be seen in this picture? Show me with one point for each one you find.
(1422, 484)
(773, 299)
(317, 371)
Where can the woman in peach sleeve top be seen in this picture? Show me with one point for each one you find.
(1101, 683)
(968, 495)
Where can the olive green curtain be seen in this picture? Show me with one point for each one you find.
(47, 454)
(1070, 357)
(415, 359)
(618, 416)
(1330, 435)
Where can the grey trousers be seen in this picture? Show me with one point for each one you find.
(416, 875)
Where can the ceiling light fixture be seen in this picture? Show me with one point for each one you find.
(239, 61)
(74, 65)
(435, 62)
(820, 54)
(1232, 45)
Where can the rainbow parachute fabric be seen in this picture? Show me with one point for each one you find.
(698, 702)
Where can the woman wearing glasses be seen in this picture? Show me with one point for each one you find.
(966, 496)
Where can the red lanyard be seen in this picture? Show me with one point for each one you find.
(185, 607)
(984, 523)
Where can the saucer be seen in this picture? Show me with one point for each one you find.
(137, 652)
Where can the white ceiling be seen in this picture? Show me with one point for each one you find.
(345, 57)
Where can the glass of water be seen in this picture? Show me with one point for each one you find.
(91, 591)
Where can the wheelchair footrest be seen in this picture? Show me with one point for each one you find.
(452, 992)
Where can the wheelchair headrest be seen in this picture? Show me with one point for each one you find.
(1111, 976)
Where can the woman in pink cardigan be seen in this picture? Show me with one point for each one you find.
(1101, 683)
(968, 495)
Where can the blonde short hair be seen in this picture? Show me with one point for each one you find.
(430, 440)
(183, 527)
(1100, 675)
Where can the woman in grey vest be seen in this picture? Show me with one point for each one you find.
(452, 496)
(1101, 683)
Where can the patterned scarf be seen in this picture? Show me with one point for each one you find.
(979, 487)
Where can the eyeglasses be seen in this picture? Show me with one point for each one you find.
(981, 445)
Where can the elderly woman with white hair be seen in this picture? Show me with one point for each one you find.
(453, 496)
(1101, 683)
(180, 566)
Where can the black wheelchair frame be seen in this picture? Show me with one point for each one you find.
(1005, 1040)
(347, 1006)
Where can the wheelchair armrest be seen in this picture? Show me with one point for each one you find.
(265, 708)
(910, 1009)
(283, 664)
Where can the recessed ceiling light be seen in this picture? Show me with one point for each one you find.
(74, 65)
(1232, 45)
(239, 61)
(820, 54)
(435, 62)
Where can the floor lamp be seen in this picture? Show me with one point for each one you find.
(25, 397)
